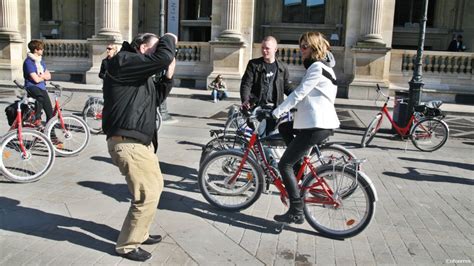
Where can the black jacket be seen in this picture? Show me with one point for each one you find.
(253, 79)
(130, 95)
(103, 67)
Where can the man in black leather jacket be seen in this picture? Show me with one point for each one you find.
(130, 101)
(266, 79)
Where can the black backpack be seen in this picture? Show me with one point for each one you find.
(10, 112)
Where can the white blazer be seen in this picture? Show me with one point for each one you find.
(314, 100)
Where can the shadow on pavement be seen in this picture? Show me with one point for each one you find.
(52, 226)
(236, 219)
(119, 192)
(185, 142)
(413, 174)
(102, 159)
(170, 201)
(466, 166)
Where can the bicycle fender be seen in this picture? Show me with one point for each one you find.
(369, 181)
(432, 118)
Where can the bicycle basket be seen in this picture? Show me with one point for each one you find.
(428, 111)
(432, 112)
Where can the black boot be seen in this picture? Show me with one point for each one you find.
(294, 213)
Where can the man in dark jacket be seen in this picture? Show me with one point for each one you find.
(130, 101)
(265, 80)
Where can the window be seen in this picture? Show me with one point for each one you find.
(197, 9)
(46, 10)
(408, 12)
(303, 11)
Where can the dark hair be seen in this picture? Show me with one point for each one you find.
(219, 76)
(35, 45)
(142, 38)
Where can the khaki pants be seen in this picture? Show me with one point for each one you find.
(139, 164)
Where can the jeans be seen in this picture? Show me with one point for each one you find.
(298, 148)
(219, 94)
(42, 102)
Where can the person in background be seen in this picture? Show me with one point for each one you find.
(219, 89)
(130, 102)
(111, 51)
(457, 45)
(315, 117)
(266, 80)
(36, 75)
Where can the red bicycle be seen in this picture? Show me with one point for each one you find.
(339, 199)
(26, 154)
(69, 133)
(425, 128)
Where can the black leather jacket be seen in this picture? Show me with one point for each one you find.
(130, 95)
(252, 82)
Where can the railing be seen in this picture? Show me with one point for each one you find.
(193, 51)
(435, 62)
(66, 48)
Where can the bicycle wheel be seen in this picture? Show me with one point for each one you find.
(71, 139)
(353, 211)
(92, 115)
(159, 120)
(31, 167)
(235, 121)
(223, 142)
(429, 134)
(371, 130)
(214, 180)
(328, 153)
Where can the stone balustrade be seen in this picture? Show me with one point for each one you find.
(434, 62)
(66, 48)
(192, 51)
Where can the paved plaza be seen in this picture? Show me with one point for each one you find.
(424, 216)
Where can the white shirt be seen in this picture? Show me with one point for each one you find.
(314, 100)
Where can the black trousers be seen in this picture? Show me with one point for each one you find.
(42, 102)
(298, 147)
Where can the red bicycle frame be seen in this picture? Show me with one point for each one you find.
(255, 146)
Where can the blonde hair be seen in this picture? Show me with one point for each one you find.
(318, 44)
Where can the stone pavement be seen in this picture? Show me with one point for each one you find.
(424, 215)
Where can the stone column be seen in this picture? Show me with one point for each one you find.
(107, 30)
(231, 20)
(371, 22)
(9, 20)
(371, 52)
(108, 19)
(11, 43)
(232, 34)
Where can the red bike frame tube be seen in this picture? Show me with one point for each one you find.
(19, 127)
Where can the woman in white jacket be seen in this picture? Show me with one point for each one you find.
(314, 119)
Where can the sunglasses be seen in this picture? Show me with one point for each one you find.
(108, 48)
(304, 46)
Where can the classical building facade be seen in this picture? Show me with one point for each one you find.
(374, 41)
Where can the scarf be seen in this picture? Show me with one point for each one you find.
(37, 59)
